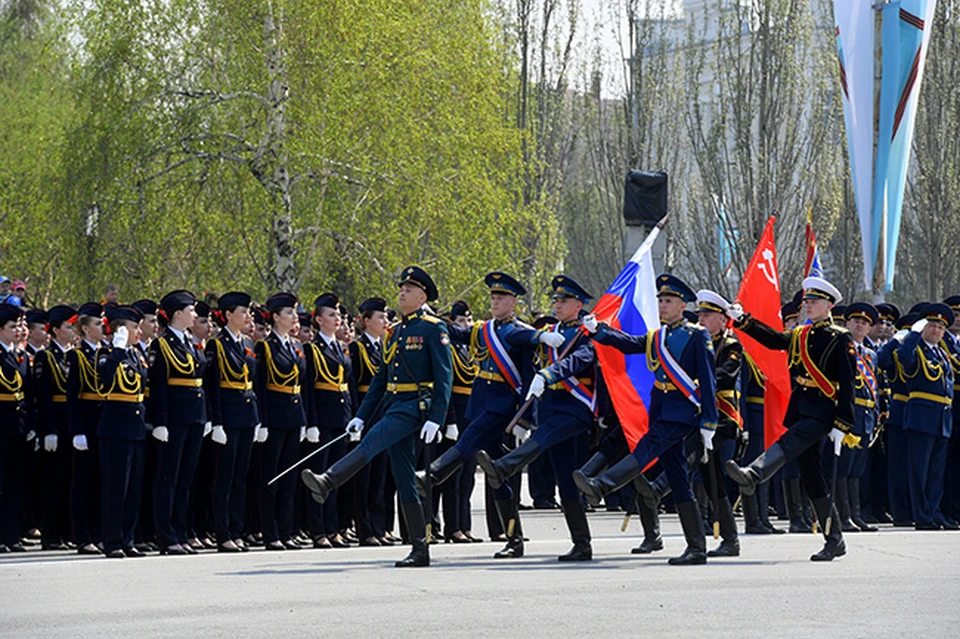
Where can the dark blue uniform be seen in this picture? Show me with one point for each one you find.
(121, 433)
(231, 368)
(83, 406)
(927, 424)
(15, 423)
(281, 370)
(178, 402)
(951, 489)
(897, 483)
(50, 369)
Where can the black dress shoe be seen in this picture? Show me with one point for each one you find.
(475, 540)
(274, 545)
(145, 547)
(55, 547)
(152, 546)
(242, 546)
(384, 541)
(175, 549)
(902, 524)
(322, 542)
(228, 546)
(370, 541)
(648, 546)
(338, 542)
(831, 550)
(188, 549)
(3, 549)
(17, 547)
(88, 549)
(581, 551)
(726, 549)
(929, 526)
(290, 544)
(115, 554)
(133, 552)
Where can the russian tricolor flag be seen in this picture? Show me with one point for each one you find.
(630, 304)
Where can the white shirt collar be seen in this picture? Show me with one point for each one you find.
(91, 344)
(179, 334)
(373, 340)
(9, 349)
(327, 340)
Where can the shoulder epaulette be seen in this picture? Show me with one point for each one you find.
(432, 319)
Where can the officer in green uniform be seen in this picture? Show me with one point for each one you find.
(413, 384)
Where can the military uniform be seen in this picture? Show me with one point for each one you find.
(927, 417)
(413, 385)
(121, 434)
(501, 350)
(950, 505)
(84, 404)
(281, 370)
(178, 408)
(683, 399)
(16, 422)
(821, 357)
(231, 369)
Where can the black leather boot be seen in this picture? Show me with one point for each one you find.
(652, 492)
(498, 472)
(806, 507)
(763, 504)
(853, 489)
(692, 524)
(834, 546)
(794, 498)
(510, 518)
(842, 500)
(417, 530)
(579, 531)
(322, 485)
(650, 521)
(730, 546)
(700, 494)
(595, 465)
(760, 470)
(751, 516)
(614, 478)
(441, 469)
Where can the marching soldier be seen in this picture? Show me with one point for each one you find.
(84, 404)
(500, 348)
(234, 412)
(683, 400)
(122, 430)
(822, 366)
(15, 428)
(927, 412)
(566, 387)
(50, 368)
(861, 317)
(280, 373)
(178, 409)
(413, 383)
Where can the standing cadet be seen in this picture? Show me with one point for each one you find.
(853, 461)
(950, 505)
(683, 400)
(927, 412)
(329, 408)
(873, 486)
(280, 372)
(234, 413)
(413, 383)
(50, 369)
(122, 372)
(898, 491)
(146, 526)
(83, 406)
(566, 388)
(369, 485)
(178, 408)
(200, 516)
(15, 428)
(500, 348)
(822, 364)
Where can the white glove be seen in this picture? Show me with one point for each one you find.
(736, 311)
(899, 335)
(31, 435)
(537, 386)
(550, 338)
(706, 434)
(355, 428)
(219, 435)
(430, 432)
(453, 433)
(918, 326)
(50, 443)
(520, 435)
(261, 434)
(80, 442)
(120, 337)
(313, 435)
(303, 433)
(207, 429)
(590, 323)
(836, 436)
(160, 433)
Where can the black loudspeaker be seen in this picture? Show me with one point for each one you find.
(645, 198)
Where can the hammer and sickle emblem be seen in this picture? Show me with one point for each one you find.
(768, 268)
